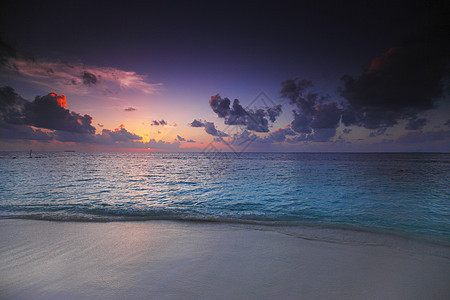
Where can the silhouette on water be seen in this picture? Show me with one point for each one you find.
(29, 155)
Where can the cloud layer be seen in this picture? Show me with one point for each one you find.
(210, 128)
(399, 85)
(182, 139)
(253, 119)
(158, 123)
(45, 112)
(313, 119)
(72, 78)
(46, 119)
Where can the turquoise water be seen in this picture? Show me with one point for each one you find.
(401, 192)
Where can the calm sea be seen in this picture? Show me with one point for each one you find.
(402, 192)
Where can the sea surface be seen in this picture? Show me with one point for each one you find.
(405, 193)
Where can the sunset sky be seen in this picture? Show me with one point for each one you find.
(164, 76)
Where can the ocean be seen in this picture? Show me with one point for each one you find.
(402, 193)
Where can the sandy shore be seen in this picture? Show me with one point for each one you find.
(183, 260)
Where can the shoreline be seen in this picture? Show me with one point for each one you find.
(301, 229)
(191, 260)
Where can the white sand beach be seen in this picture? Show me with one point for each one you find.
(187, 260)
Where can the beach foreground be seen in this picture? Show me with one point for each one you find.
(188, 260)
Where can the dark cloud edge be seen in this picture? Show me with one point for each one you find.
(46, 119)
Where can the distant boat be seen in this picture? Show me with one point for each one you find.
(31, 150)
(69, 150)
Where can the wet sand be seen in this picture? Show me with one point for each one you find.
(187, 260)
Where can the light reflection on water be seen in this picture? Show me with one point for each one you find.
(400, 192)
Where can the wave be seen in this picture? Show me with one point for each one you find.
(305, 229)
(319, 232)
(104, 215)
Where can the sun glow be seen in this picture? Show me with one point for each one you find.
(61, 99)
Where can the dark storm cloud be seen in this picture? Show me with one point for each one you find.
(120, 135)
(313, 119)
(130, 109)
(318, 135)
(23, 132)
(254, 119)
(75, 137)
(158, 123)
(295, 91)
(210, 128)
(398, 86)
(196, 123)
(378, 132)
(45, 112)
(415, 123)
(89, 78)
(280, 134)
(403, 82)
(242, 138)
(19, 117)
(274, 112)
(423, 137)
(10, 104)
(182, 139)
(7, 97)
(6, 50)
(72, 78)
(161, 145)
(326, 116)
(322, 134)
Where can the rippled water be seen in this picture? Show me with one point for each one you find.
(397, 192)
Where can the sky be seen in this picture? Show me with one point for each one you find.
(231, 76)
